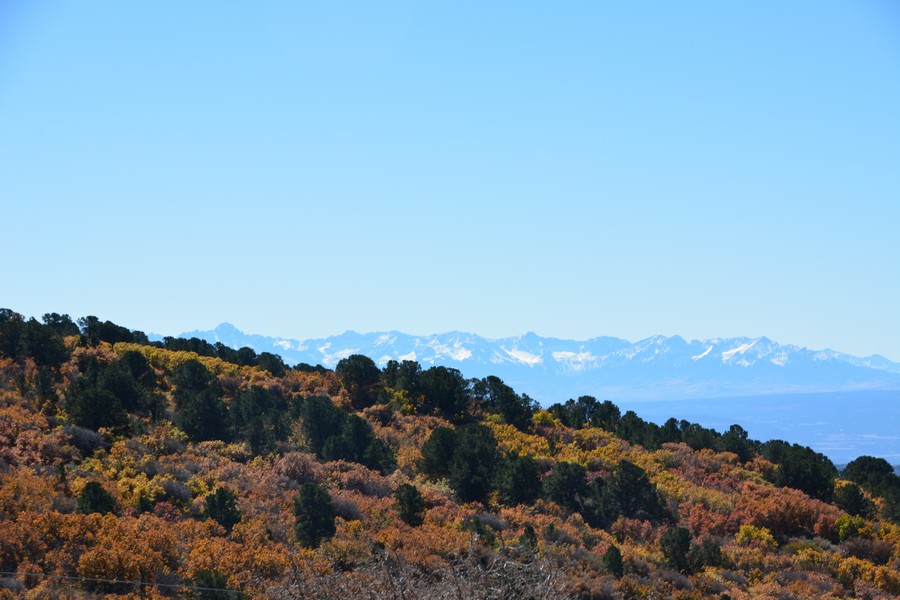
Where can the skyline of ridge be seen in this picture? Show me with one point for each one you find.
(654, 367)
(531, 332)
(230, 325)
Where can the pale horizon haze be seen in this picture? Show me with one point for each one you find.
(701, 169)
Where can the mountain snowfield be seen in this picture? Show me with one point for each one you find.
(553, 370)
(841, 405)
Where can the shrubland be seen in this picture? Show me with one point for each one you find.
(187, 469)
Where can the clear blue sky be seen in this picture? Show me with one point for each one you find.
(576, 169)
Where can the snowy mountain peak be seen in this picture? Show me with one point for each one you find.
(226, 327)
(654, 367)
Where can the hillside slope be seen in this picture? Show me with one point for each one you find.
(138, 470)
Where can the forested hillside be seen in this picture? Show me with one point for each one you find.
(182, 468)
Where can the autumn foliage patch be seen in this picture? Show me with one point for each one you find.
(182, 468)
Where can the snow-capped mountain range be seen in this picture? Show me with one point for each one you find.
(552, 370)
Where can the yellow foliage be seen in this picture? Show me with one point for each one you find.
(752, 535)
(169, 360)
(201, 485)
(591, 447)
(890, 532)
(401, 401)
(131, 489)
(815, 559)
(848, 526)
(850, 569)
(543, 417)
(680, 489)
(119, 461)
(311, 383)
(407, 458)
(160, 436)
(591, 438)
(887, 579)
(763, 467)
(217, 448)
(512, 440)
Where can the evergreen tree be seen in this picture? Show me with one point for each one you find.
(360, 376)
(357, 443)
(256, 418)
(95, 499)
(612, 562)
(271, 363)
(89, 404)
(380, 456)
(213, 585)
(606, 416)
(43, 344)
(877, 476)
(697, 436)
(43, 386)
(498, 397)
(118, 380)
(735, 440)
(191, 375)
(529, 537)
(447, 390)
(634, 494)
(707, 554)
(519, 480)
(94, 408)
(203, 416)
(474, 462)
(410, 505)
(868, 471)
(221, 506)
(12, 328)
(850, 498)
(676, 543)
(437, 452)
(140, 368)
(801, 468)
(321, 420)
(314, 515)
(403, 376)
(94, 331)
(567, 485)
(61, 324)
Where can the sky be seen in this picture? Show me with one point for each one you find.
(577, 169)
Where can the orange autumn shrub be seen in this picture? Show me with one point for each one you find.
(784, 511)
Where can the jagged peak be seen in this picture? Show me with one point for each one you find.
(226, 327)
(716, 366)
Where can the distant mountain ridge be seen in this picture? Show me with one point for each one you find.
(553, 369)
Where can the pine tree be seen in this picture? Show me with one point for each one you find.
(221, 506)
(612, 561)
(95, 499)
(314, 515)
(410, 504)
